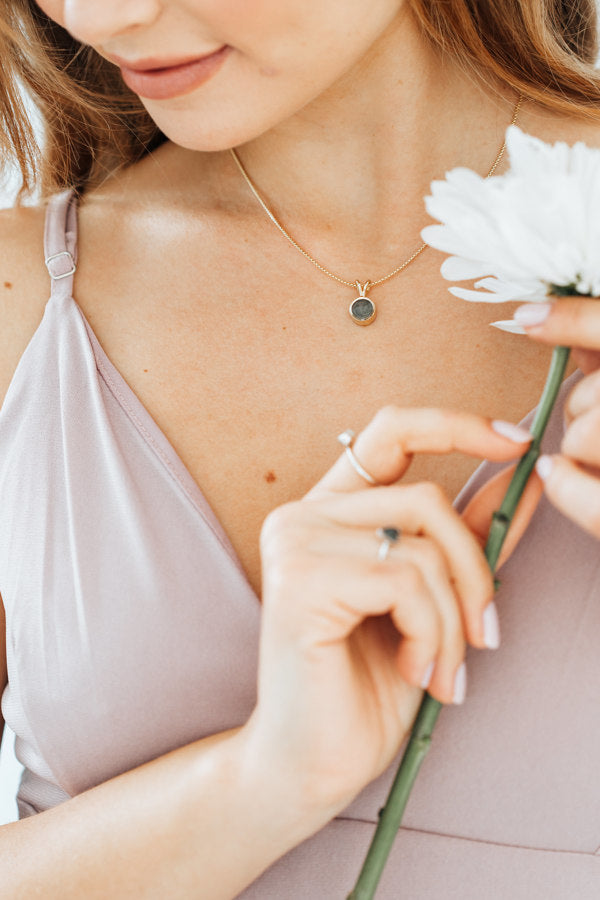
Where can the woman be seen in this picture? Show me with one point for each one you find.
(168, 457)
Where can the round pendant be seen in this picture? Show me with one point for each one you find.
(363, 311)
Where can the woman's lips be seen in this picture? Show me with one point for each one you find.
(162, 84)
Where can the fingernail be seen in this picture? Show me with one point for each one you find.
(513, 432)
(544, 467)
(427, 676)
(491, 626)
(460, 684)
(532, 313)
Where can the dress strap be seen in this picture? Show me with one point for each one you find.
(60, 241)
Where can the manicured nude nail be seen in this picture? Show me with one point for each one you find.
(513, 432)
(491, 626)
(544, 467)
(532, 313)
(427, 676)
(460, 684)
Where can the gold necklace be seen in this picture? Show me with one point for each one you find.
(362, 309)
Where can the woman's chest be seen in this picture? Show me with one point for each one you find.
(252, 393)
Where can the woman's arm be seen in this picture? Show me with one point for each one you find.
(199, 822)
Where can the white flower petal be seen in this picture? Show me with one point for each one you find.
(510, 326)
(495, 285)
(456, 269)
(532, 291)
(473, 296)
(478, 296)
(492, 290)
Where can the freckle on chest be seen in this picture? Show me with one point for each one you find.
(8, 284)
(270, 477)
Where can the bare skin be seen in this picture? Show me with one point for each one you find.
(246, 358)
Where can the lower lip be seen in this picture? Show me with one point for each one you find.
(162, 84)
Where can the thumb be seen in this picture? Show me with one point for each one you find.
(478, 512)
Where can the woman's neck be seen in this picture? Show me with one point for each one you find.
(347, 173)
(359, 159)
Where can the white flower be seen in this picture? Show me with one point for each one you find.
(524, 233)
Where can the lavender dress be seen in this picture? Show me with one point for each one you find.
(132, 630)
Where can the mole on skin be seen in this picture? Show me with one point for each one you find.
(270, 476)
(8, 284)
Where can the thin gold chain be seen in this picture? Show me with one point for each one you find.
(407, 262)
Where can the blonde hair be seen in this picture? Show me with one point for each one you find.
(93, 124)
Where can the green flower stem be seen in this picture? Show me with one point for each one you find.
(390, 817)
(503, 517)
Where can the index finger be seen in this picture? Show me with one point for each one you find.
(386, 446)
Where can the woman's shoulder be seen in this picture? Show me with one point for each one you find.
(24, 284)
(21, 229)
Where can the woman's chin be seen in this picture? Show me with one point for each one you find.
(238, 112)
(209, 137)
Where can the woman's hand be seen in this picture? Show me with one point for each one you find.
(572, 478)
(348, 640)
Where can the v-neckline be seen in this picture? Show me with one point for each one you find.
(160, 444)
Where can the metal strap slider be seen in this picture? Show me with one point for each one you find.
(64, 274)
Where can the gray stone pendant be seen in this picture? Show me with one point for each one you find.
(362, 310)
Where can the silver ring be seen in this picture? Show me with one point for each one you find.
(388, 536)
(346, 438)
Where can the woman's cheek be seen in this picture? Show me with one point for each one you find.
(54, 9)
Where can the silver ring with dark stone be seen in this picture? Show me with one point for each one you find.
(389, 535)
